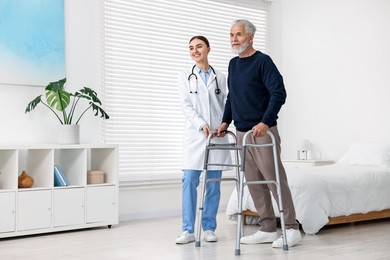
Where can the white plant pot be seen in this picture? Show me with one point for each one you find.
(69, 134)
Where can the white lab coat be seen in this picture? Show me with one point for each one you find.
(205, 107)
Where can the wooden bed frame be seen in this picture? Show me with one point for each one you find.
(341, 219)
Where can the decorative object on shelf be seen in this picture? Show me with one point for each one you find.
(57, 98)
(95, 177)
(59, 177)
(303, 149)
(25, 180)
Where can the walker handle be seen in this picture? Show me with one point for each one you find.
(225, 131)
(251, 131)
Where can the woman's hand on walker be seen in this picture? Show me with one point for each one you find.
(206, 130)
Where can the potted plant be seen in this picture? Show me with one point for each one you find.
(63, 104)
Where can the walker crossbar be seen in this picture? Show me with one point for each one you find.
(218, 164)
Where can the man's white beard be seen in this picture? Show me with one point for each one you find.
(241, 49)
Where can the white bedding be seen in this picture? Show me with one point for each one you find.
(333, 190)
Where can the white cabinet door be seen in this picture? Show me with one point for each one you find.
(68, 207)
(34, 209)
(7, 212)
(101, 204)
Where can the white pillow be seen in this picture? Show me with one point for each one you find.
(367, 154)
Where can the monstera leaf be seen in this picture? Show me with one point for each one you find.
(58, 99)
(56, 96)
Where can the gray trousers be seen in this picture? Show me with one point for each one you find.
(259, 166)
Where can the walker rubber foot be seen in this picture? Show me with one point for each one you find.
(197, 243)
(237, 252)
(285, 247)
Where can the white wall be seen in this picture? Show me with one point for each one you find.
(335, 59)
(153, 201)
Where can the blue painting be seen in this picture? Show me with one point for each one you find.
(32, 48)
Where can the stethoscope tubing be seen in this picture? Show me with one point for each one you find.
(217, 89)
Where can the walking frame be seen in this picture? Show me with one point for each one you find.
(240, 183)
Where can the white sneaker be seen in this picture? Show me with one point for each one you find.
(209, 236)
(185, 238)
(259, 237)
(293, 237)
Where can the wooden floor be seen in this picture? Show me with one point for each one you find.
(155, 239)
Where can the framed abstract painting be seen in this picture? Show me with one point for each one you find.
(32, 45)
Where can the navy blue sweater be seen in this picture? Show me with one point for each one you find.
(256, 92)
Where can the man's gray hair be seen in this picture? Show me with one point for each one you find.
(249, 27)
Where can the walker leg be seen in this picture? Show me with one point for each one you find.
(200, 214)
(238, 185)
(279, 192)
(283, 226)
(239, 232)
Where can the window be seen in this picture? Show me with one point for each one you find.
(145, 46)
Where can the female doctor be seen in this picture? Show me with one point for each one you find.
(202, 92)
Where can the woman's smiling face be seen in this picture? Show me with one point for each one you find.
(198, 50)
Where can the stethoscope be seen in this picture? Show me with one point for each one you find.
(217, 90)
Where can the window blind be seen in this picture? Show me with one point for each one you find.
(145, 46)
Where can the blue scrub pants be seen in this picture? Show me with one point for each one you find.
(190, 182)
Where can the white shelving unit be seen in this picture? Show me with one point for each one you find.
(47, 208)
